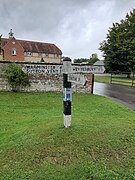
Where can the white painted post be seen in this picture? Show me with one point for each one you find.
(67, 67)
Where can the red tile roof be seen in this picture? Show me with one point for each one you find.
(38, 47)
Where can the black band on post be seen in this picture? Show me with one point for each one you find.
(67, 107)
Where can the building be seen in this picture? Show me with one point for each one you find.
(13, 49)
(99, 63)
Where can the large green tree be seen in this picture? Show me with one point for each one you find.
(93, 58)
(119, 47)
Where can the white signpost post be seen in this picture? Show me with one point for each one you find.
(77, 78)
(67, 92)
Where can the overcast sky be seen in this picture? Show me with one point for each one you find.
(77, 27)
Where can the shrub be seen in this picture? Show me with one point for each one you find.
(16, 77)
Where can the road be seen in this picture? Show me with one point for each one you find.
(122, 94)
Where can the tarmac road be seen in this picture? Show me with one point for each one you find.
(122, 94)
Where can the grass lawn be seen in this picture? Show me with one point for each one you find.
(116, 79)
(34, 145)
(102, 78)
(122, 79)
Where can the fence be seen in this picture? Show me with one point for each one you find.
(123, 78)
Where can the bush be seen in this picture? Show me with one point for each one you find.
(16, 77)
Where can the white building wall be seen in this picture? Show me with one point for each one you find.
(48, 58)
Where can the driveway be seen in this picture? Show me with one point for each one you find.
(122, 94)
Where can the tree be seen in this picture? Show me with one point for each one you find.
(119, 47)
(81, 60)
(93, 58)
(16, 77)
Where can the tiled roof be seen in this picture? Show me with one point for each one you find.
(32, 46)
(4, 41)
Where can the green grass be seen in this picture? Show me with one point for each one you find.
(102, 79)
(116, 79)
(34, 145)
(122, 79)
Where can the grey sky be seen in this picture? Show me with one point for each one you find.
(75, 26)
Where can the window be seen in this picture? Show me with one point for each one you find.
(14, 51)
(29, 53)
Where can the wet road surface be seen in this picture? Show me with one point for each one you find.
(122, 94)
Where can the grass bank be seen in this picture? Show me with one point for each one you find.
(34, 145)
(120, 79)
(102, 78)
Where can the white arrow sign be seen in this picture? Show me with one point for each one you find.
(77, 78)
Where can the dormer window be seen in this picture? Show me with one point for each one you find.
(14, 51)
(29, 54)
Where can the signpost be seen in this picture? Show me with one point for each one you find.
(67, 92)
(77, 78)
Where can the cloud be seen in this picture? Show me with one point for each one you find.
(76, 26)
